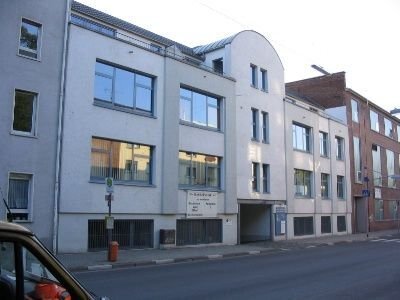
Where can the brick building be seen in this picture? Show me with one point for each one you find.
(374, 149)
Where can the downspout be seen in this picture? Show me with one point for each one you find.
(331, 187)
(60, 129)
(286, 167)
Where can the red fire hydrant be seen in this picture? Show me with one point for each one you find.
(113, 251)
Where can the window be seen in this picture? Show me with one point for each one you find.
(354, 110)
(341, 223)
(91, 25)
(302, 183)
(199, 109)
(266, 176)
(373, 116)
(388, 128)
(340, 187)
(379, 209)
(303, 225)
(253, 75)
(393, 209)
(24, 119)
(125, 162)
(357, 159)
(339, 148)
(199, 170)
(20, 195)
(218, 66)
(301, 138)
(264, 80)
(390, 168)
(123, 88)
(29, 41)
(254, 124)
(376, 165)
(398, 133)
(325, 185)
(254, 177)
(323, 144)
(265, 127)
(326, 226)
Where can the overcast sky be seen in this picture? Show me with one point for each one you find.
(360, 37)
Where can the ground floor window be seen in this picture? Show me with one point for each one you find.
(137, 234)
(20, 195)
(303, 225)
(326, 224)
(193, 232)
(341, 223)
(379, 209)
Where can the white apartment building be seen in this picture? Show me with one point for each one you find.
(317, 171)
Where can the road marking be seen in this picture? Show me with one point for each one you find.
(379, 240)
(284, 249)
(164, 261)
(255, 252)
(394, 240)
(312, 246)
(99, 267)
(214, 256)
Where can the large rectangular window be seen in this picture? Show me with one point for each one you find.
(379, 213)
(390, 168)
(30, 38)
(20, 195)
(199, 109)
(393, 209)
(302, 183)
(354, 110)
(24, 118)
(341, 223)
(255, 175)
(323, 144)
(199, 170)
(303, 225)
(266, 178)
(125, 162)
(373, 117)
(340, 187)
(265, 127)
(301, 137)
(376, 165)
(254, 124)
(326, 226)
(123, 88)
(357, 159)
(388, 128)
(325, 193)
(264, 80)
(339, 148)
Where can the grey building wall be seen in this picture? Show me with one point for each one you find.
(34, 155)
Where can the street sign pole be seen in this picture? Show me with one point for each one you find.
(109, 195)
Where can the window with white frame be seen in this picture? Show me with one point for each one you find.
(266, 178)
(323, 144)
(325, 193)
(199, 170)
(388, 128)
(199, 109)
(24, 117)
(302, 183)
(30, 39)
(376, 165)
(253, 75)
(254, 124)
(264, 80)
(354, 111)
(265, 127)
(373, 117)
(339, 148)
(123, 161)
(390, 168)
(20, 196)
(301, 137)
(255, 175)
(123, 88)
(340, 187)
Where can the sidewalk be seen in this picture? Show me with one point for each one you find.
(133, 257)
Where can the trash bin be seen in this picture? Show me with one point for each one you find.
(113, 251)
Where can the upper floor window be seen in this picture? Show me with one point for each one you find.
(24, 118)
(122, 161)
(265, 127)
(388, 128)
(398, 133)
(199, 109)
(264, 80)
(123, 88)
(301, 137)
(340, 187)
(302, 183)
(376, 165)
(339, 148)
(373, 116)
(218, 65)
(325, 193)
(323, 144)
(254, 124)
(354, 110)
(199, 170)
(91, 25)
(255, 176)
(390, 168)
(253, 75)
(20, 195)
(30, 37)
(357, 159)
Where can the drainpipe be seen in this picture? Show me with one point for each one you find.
(286, 167)
(60, 129)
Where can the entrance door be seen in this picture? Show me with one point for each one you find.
(361, 214)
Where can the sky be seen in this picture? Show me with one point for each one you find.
(359, 37)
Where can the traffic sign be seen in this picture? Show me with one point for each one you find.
(365, 193)
(109, 185)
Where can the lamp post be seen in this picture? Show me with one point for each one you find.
(366, 194)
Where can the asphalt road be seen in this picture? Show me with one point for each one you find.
(362, 270)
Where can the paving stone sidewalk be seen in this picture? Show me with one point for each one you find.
(133, 257)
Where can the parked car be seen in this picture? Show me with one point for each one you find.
(29, 271)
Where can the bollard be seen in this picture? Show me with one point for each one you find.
(113, 251)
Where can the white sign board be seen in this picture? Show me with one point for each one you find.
(201, 204)
(378, 194)
(109, 185)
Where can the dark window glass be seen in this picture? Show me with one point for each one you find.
(24, 112)
(303, 226)
(326, 225)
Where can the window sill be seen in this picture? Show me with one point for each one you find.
(22, 134)
(123, 183)
(265, 142)
(28, 57)
(341, 199)
(303, 197)
(199, 188)
(255, 140)
(326, 198)
(110, 105)
(185, 123)
(302, 151)
(324, 156)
